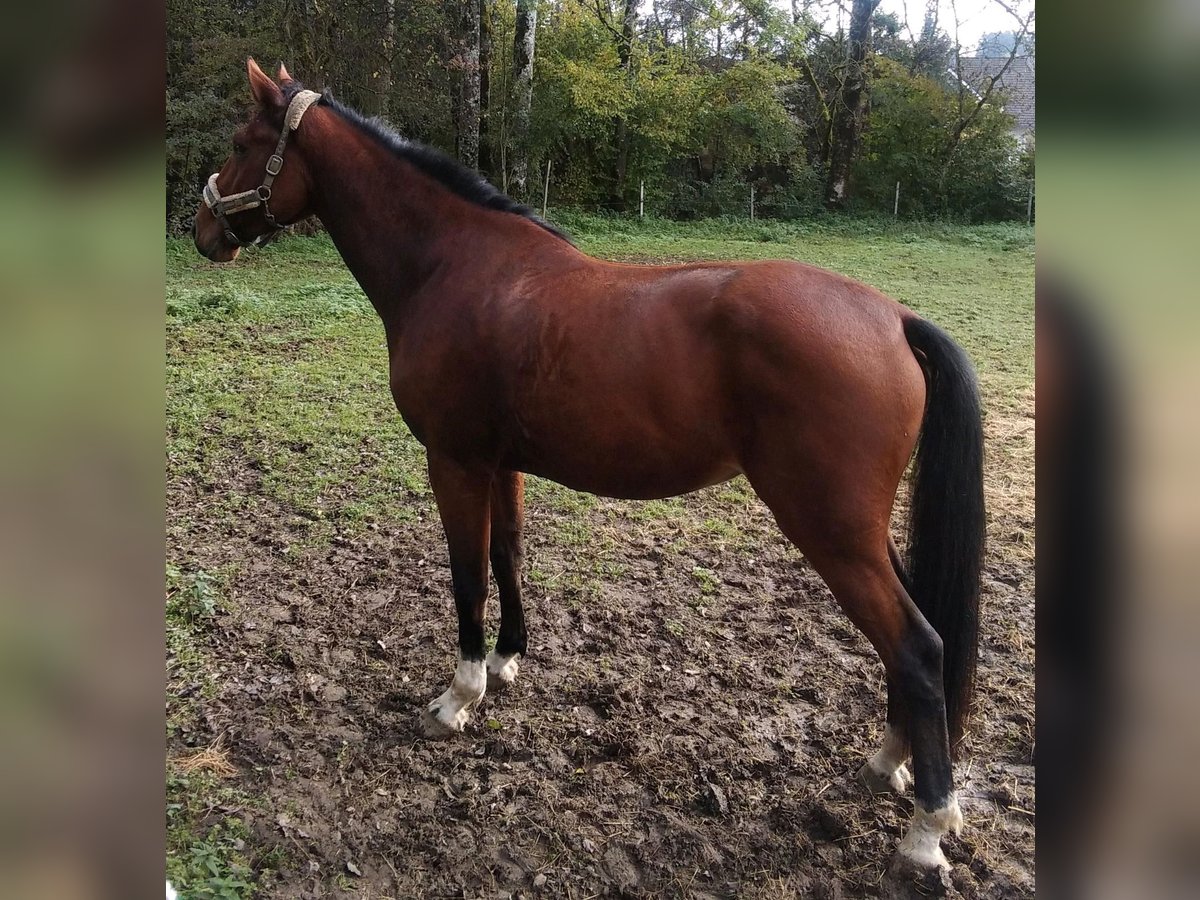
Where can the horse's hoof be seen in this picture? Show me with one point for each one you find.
(920, 858)
(876, 782)
(501, 671)
(435, 728)
(921, 847)
(913, 878)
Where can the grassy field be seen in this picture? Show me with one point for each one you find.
(283, 446)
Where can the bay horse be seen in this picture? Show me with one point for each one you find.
(511, 351)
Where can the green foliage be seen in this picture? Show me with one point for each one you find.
(707, 100)
(984, 175)
(206, 859)
(191, 599)
(208, 852)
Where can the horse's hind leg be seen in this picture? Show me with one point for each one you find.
(885, 772)
(508, 518)
(848, 548)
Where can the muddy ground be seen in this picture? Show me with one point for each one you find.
(687, 724)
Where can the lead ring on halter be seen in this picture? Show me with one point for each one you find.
(224, 206)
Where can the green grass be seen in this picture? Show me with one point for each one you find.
(209, 854)
(193, 599)
(207, 842)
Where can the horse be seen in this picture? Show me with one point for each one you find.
(512, 352)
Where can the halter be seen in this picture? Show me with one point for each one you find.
(246, 200)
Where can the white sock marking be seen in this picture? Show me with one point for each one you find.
(922, 845)
(453, 708)
(888, 763)
(502, 670)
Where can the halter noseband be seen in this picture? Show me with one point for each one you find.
(222, 207)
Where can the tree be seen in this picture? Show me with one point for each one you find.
(700, 99)
(625, 54)
(911, 119)
(469, 88)
(524, 46)
(932, 52)
(486, 163)
(968, 113)
(850, 110)
(388, 47)
(999, 44)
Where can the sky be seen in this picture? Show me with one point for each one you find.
(975, 17)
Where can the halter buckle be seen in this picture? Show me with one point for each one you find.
(274, 164)
(264, 192)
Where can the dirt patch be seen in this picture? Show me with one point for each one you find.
(687, 723)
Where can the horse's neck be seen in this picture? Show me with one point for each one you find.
(384, 218)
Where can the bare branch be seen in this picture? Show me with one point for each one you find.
(1023, 22)
(983, 98)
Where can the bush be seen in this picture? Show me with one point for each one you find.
(911, 124)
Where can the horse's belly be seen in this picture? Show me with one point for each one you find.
(627, 471)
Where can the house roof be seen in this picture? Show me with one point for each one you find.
(1016, 84)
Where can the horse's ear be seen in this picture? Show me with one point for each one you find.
(266, 92)
(284, 74)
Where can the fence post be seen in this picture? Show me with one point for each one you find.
(751, 201)
(1029, 206)
(642, 200)
(546, 189)
(896, 205)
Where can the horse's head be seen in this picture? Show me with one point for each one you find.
(255, 194)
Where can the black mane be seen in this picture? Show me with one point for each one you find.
(448, 172)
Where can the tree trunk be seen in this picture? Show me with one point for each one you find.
(625, 54)
(850, 109)
(387, 51)
(524, 39)
(468, 98)
(486, 164)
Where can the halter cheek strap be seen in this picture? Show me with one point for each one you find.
(224, 206)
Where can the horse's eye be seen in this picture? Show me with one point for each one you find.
(239, 149)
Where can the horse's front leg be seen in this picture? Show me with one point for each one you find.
(463, 501)
(508, 518)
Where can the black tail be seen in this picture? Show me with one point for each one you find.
(946, 525)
